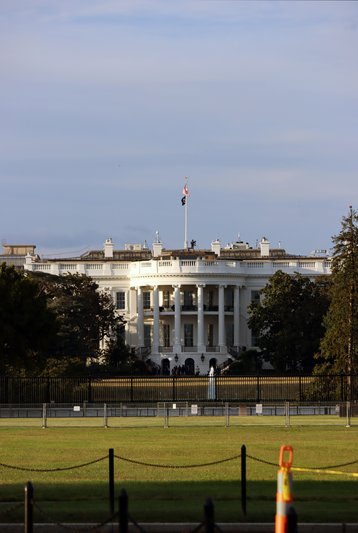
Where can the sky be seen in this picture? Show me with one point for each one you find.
(107, 105)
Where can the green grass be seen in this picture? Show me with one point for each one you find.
(175, 494)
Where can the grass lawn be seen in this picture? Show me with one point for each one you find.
(176, 494)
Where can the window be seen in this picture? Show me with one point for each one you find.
(210, 335)
(229, 299)
(146, 300)
(255, 297)
(188, 334)
(230, 334)
(188, 298)
(120, 300)
(147, 335)
(166, 335)
(211, 298)
(166, 299)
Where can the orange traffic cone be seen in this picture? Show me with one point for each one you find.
(285, 514)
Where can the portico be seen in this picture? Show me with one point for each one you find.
(188, 319)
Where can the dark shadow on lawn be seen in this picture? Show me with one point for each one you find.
(315, 501)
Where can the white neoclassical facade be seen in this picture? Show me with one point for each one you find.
(185, 307)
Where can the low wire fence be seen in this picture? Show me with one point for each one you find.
(258, 389)
(122, 517)
(165, 414)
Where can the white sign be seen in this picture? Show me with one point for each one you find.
(77, 408)
(174, 405)
(259, 408)
(194, 409)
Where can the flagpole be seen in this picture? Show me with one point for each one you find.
(186, 215)
(186, 225)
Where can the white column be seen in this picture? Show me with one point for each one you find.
(177, 322)
(236, 315)
(200, 333)
(140, 320)
(155, 348)
(221, 318)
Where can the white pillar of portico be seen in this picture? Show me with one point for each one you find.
(236, 315)
(177, 322)
(221, 318)
(200, 337)
(140, 322)
(155, 347)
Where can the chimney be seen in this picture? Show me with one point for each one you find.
(108, 248)
(157, 249)
(216, 247)
(29, 259)
(265, 247)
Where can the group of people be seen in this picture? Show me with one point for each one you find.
(182, 370)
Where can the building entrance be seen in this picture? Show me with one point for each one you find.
(189, 366)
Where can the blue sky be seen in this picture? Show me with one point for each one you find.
(106, 105)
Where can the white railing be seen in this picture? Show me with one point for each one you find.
(308, 264)
(42, 266)
(254, 264)
(181, 267)
(66, 267)
(120, 266)
(281, 264)
(95, 266)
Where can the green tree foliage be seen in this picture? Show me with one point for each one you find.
(248, 362)
(120, 360)
(85, 316)
(339, 347)
(288, 321)
(27, 326)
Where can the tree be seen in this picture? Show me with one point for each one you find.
(85, 316)
(248, 362)
(27, 326)
(339, 347)
(288, 321)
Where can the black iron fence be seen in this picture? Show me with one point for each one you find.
(259, 389)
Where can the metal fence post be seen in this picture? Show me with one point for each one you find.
(209, 522)
(287, 414)
(227, 415)
(348, 414)
(258, 392)
(29, 506)
(123, 512)
(243, 479)
(44, 416)
(111, 479)
(166, 415)
(105, 417)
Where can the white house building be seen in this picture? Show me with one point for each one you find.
(185, 307)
